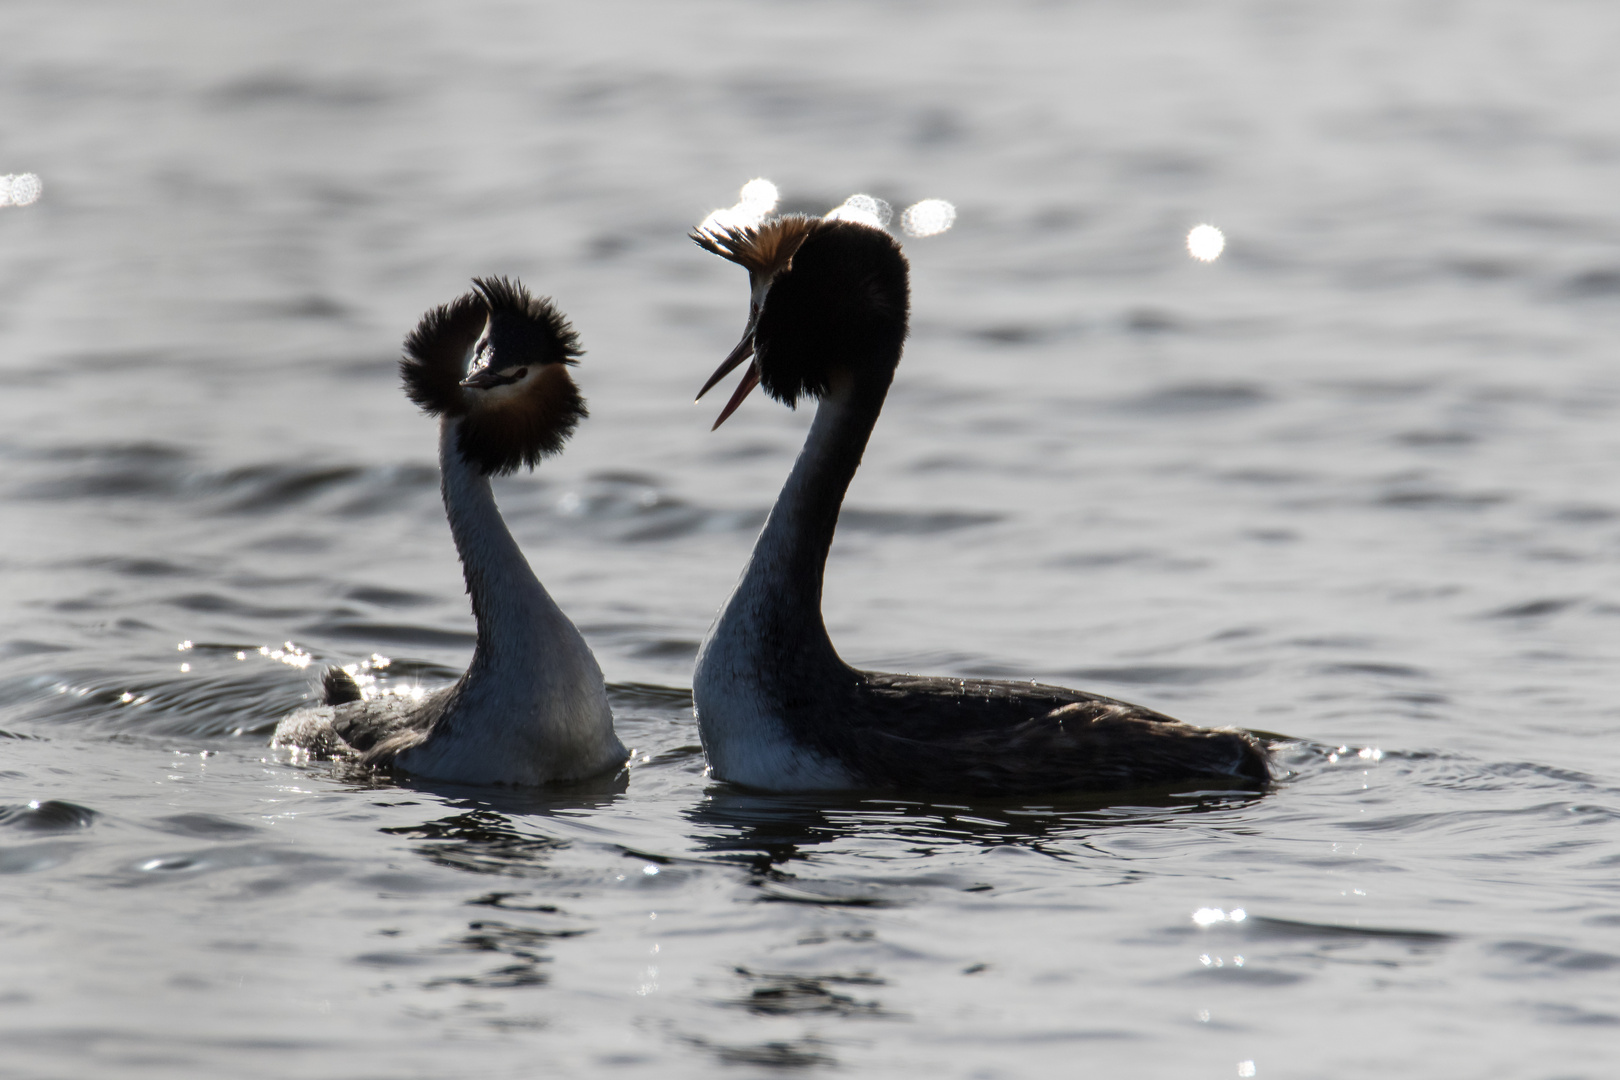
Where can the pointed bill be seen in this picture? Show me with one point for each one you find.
(750, 380)
(744, 350)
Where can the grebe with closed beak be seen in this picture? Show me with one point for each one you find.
(776, 707)
(532, 707)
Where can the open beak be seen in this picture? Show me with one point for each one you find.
(750, 379)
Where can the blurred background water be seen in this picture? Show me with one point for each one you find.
(1354, 483)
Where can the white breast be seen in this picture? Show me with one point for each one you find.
(744, 739)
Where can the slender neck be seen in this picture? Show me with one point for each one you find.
(502, 586)
(784, 576)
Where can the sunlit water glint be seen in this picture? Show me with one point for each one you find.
(20, 189)
(1205, 243)
(754, 203)
(865, 209)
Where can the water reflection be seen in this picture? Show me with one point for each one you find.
(482, 838)
(479, 842)
(790, 994)
(769, 831)
(520, 945)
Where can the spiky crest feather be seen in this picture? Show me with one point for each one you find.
(765, 249)
(498, 436)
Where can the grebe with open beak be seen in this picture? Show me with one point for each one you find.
(777, 708)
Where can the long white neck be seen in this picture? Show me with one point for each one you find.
(506, 596)
(775, 614)
(533, 700)
(767, 666)
(777, 602)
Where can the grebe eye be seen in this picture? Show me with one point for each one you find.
(519, 373)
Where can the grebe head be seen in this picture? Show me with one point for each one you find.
(497, 359)
(829, 298)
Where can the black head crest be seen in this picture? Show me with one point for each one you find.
(437, 354)
(525, 328)
(842, 304)
(501, 327)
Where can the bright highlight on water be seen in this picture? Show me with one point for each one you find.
(758, 198)
(866, 209)
(928, 218)
(20, 189)
(1205, 243)
(1210, 916)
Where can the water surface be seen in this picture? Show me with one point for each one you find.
(1353, 483)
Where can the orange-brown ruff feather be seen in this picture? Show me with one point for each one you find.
(764, 250)
(499, 434)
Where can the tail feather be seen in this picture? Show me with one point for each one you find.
(339, 687)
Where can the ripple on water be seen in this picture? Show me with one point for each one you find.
(481, 842)
(388, 635)
(1162, 674)
(100, 470)
(806, 1053)
(173, 867)
(204, 826)
(49, 815)
(32, 858)
(1533, 609)
(787, 994)
(235, 699)
(154, 471)
(1553, 961)
(23, 647)
(1191, 398)
(380, 596)
(911, 522)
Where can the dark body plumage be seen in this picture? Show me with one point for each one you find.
(991, 737)
(777, 707)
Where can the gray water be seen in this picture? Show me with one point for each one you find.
(1356, 483)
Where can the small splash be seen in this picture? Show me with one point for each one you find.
(1205, 243)
(20, 189)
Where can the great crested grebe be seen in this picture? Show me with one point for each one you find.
(532, 707)
(776, 706)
